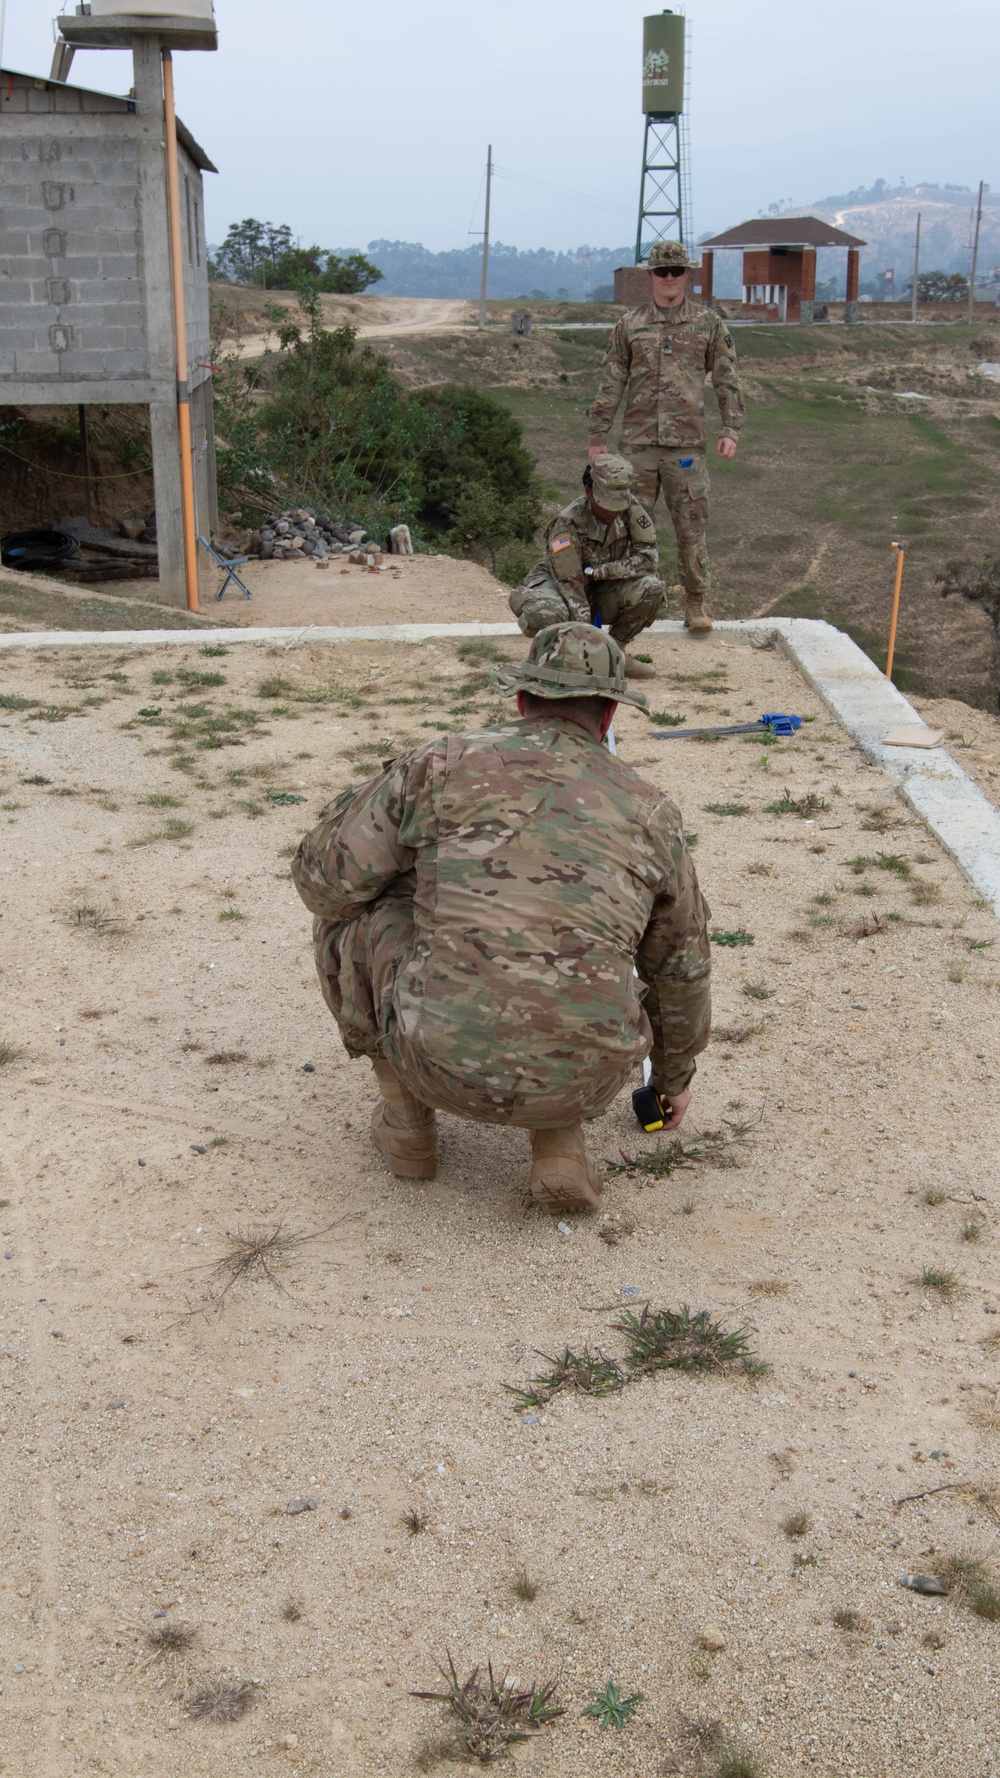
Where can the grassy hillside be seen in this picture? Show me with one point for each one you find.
(837, 460)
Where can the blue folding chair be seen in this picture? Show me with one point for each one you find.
(230, 564)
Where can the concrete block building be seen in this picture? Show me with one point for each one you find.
(86, 308)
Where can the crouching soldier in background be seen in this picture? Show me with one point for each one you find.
(600, 560)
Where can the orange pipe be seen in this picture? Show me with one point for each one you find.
(180, 332)
(900, 553)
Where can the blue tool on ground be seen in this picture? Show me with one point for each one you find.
(230, 563)
(774, 724)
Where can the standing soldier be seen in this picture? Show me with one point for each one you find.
(600, 561)
(658, 358)
(506, 923)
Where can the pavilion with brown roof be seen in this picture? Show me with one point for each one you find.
(779, 265)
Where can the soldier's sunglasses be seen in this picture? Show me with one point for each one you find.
(670, 271)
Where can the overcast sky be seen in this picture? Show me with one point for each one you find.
(352, 122)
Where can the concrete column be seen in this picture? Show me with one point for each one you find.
(154, 270)
(206, 502)
(807, 303)
(853, 273)
(707, 273)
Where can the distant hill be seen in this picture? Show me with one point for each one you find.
(887, 219)
(409, 269)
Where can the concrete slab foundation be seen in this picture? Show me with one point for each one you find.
(863, 701)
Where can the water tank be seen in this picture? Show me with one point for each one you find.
(161, 9)
(663, 64)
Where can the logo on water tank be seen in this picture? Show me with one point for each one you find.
(656, 68)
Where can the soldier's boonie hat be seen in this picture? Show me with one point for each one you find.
(571, 661)
(670, 253)
(610, 478)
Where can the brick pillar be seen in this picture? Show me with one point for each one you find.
(853, 270)
(808, 284)
(707, 273)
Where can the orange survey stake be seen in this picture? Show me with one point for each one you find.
(900, 547)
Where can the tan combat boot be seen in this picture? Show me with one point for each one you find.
(697, 617)
(638, 669)
(562, 1178)
(403, 1130)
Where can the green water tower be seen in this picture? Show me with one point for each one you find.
(664, 193)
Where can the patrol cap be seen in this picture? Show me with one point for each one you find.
(610, 479)
(672, 253)
(571, 661)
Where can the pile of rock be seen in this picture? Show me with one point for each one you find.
(301, 533)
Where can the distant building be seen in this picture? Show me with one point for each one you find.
(779, 265)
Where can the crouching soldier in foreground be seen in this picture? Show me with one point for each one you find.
(478, 910)
(600, 559)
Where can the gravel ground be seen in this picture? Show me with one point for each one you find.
(180, 1080)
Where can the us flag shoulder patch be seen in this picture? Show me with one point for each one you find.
(563, 541)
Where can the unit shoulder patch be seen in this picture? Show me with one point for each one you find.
(563, 541)
(643, 523)
(727, 336)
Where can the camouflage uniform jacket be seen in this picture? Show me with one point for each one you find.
(658, 359)
(543, 867)
(620, 550)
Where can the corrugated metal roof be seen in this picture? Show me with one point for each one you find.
(785, 231)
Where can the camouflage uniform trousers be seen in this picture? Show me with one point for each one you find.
(627, 607)
(685, 495)
(356, 961)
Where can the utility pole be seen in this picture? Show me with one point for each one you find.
(916, 272)
(975, 258)
(486, 241)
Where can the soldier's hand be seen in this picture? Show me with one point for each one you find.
(726, 447)
(678, 1103)
(597, 450)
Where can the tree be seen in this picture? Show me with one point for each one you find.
(264, 253)
(942, 287)
(980, 583)
(478, 443)
(348, 276)
(249, 247)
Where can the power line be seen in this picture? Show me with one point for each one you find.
(558, 191)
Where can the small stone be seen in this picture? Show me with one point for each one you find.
(18, 1668)
(289, 1741)
(199, 1148)
(24, 1592)
(930, 1584)
(304, 1505)
(894, 1629)
(113, 1406)
(710, 1637)
(7, 1253)
(564, 1228)
(142, 1163)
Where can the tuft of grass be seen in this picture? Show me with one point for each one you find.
(846, 1619)
(734, 1759)
(230, 914)
(737, 1034)
(167, 1638)
(796, 1524)
(592, 1373)
(940, 1279)
(892, 862)
(769, 1287)
(415, 1521)
(222, 1700)
(984, 1599)
(934, 1195)
(173, 829)
(478, 649)
(92, 917)
(924, 894)
(757, 991)
(10, 1052)
(282, 799)
(760, 870)
(665, 718)
(980, 944)
(213, 648)
(524, 1587)
(805, 807)
(732, 939)
(292, 1611)
(219, 1142)
(667, 1339)
(879, 818)
(611, 1709)
(961, 1574)
(800, 1561)
(494, 1712)
(956, 973)
(971, 1230)
(727, 808)
(274, 686)
(224, 1058)
(160, 800)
